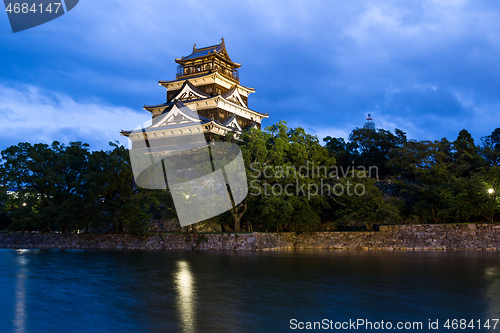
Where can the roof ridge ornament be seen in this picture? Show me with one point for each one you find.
(222, 41)
(194, 47)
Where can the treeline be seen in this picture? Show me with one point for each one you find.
(70, 189)
(377, 177)
(295, 184)
(438, 181)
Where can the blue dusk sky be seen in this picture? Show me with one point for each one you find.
(429, 68)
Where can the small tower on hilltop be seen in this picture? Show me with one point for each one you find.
(369, 123)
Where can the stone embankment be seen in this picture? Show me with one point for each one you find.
(482, 237)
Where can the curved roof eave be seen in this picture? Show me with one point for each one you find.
(157, 106)
(265, 115)
(214, 50)
(188, 84)
(163, 82)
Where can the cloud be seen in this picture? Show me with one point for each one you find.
(428, 67)
(35, 115)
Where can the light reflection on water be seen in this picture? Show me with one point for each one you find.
(153, 291)
(186, 302)
(492, 276)
(20, 298)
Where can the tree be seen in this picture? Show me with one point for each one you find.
(373, 147)
(343, 152)
(46, 177)
(111, 199)
(412, 159)
(466, 158)
(488, 187)
(491, 148)
(359, 202)
(5, 220)
(67, 188)
(284, 168)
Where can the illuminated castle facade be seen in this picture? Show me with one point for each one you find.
(206, 96)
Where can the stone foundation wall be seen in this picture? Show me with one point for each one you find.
(482, 237)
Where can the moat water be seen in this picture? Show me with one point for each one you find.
(152, 291)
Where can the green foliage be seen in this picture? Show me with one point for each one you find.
(343, 152)
(466, 158)
(280, 161)
(46, 178)
(363, 204)
(68, 188)
(291, 183)
(491, 148)
(441, 181)
(5, 220)
(373, 147)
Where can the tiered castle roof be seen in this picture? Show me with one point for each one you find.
(206, 93)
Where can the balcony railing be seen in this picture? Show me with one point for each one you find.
(180, 71)
(230, 74)
(236, 75)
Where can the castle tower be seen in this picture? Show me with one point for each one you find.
(208, 84)
(369, 123)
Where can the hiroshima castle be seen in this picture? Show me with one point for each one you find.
(206, 96)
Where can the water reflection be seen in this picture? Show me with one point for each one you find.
(20, 298)
(67, 291)
(492, 275)
(185, 299)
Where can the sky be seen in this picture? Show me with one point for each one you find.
(430, 68)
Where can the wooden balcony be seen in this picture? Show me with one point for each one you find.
(192, 71)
